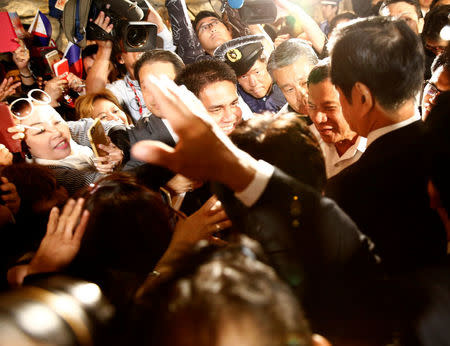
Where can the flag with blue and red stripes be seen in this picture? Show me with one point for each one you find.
(73, 56)
(41, 29)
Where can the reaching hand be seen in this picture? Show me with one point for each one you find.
(63, 238)
(203, 151)
(9, 195)
(106, 164)
(203, 224)
(8, 87)
(104, 22)
(74, 82)
(55, 87)
(6, 157)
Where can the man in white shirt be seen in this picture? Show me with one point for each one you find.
(340, 145)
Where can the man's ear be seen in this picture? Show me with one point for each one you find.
(362, 96)
(420, 25)
(433, 193)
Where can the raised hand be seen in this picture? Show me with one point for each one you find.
(9, 195)
(203, 224)
(107, 164)
(203, 151)
(8, 87)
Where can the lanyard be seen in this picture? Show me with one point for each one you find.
(138, 100)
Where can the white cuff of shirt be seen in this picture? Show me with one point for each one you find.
(167, 38)
(255, 189)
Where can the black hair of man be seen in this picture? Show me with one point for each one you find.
(382, 53)
(435, 20)
(438, 123)
(214, 289)
(414, 3)
(320, 72)
(158, 55)
(204, 14)
(341, 16)
(285, 142)
(199, 74)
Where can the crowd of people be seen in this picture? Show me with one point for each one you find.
(277, 184)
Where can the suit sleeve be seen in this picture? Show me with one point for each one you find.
(303, 233)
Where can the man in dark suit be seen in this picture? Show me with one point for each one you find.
(377, 67)
(310, 241)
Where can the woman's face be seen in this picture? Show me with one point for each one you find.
(52, 140)
(107, 111)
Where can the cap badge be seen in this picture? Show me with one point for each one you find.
(234, 55)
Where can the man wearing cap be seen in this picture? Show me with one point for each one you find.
(246, 56)
(330, 9)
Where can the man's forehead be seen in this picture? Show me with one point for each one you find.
(205, 20)
(399, 8)
(216, 90)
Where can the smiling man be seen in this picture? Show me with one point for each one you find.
(340, 145)
(214, 83)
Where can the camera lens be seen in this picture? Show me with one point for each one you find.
(137, 36)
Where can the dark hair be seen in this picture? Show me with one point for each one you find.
(214, 289)
(285, 142)
(202, 73)
(158, 55)
(129, 226)
(435, 20)
(441, 60)
(204, 14)
(438, 124)
(320, 72)
(384, 54)
(341, 16)
(414, 3)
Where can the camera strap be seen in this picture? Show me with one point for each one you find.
(138, 100)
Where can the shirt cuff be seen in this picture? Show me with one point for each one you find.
(255, 189)
(166, 36)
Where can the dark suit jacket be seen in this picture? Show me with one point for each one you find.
(315, 247)
(385, 193)
(302, 232)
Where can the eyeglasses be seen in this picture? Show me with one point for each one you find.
(202, 28)
(23, 107)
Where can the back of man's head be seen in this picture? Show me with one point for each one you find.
(383, 54)
(285, 142)
(289, 52)
(202, 73)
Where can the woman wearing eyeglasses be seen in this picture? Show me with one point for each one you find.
(47, 140)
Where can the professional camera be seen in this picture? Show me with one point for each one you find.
(253, 11)
(130, 33)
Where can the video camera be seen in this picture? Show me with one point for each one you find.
(130, 32)
(253, 11)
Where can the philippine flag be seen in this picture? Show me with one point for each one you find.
(73, 56)
(41, 29)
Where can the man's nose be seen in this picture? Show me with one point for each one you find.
(321, 117)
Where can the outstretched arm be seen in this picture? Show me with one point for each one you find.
(310, 27)
(97, 78)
